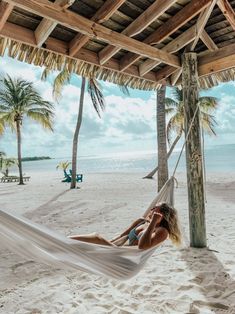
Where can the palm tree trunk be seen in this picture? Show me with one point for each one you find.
(76, 133)
(152, 173)
(161, 138)
(18, 132)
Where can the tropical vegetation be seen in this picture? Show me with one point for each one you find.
(97, 98)
(64, 166)
(7, 163)
(175, 108)
(19, 99)
(161, 137)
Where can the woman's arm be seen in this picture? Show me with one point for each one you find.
(147, 240)
(126, 232)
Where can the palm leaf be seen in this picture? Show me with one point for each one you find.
(124, 89)
(45, 73)
(97, 98)
(61, 79)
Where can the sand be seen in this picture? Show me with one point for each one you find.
(181, 280)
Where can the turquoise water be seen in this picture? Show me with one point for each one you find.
(218, 159)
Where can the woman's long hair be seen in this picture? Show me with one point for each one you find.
(171, 223)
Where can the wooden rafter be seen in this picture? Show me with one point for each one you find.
(102, 15)
(5, 11)
(168, 28)
(209, 63)
(216, 61)
(200, 25)
(208, 41)
(24, 35)
(175, 45)
(80, 24)
(138, 25)
(46, 26)
(227, 11)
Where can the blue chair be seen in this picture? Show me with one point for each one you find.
(67, 177)
(79, 177)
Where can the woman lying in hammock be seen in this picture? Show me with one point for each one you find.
(145, 232)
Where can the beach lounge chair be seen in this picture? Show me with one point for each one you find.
(79, 176)
(8, 179)
(67, 177)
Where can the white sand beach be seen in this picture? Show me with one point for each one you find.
(180, 281)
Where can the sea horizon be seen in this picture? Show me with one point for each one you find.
(218, 158)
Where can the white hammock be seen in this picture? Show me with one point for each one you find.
(39, 243)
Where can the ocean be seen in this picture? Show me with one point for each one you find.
(219, 158)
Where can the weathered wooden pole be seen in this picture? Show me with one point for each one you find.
(161, 137)
(193, 152)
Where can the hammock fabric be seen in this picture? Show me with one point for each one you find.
(39, 243)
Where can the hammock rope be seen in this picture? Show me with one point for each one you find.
(186, 138)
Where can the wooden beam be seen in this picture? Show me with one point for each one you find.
(46, 26)
(225, 63)
(200, 25)
(26, 36)
(5, 11)
(138, 25)
(227, 11)
(175, 45)
(179, 19)
(195, 180)
(208, 41)
(164, 73)
(78, 23)
(208, 63)
(102, 15)
(216, 61)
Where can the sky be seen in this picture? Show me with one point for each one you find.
(128, 124)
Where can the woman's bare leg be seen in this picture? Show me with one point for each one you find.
(92, 238)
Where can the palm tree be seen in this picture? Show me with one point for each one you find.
(63, 165)
(2, 127)
(18, 98)
(2, 155)
(175, 107)
(161, 137)
(6, 164)
(95, 92)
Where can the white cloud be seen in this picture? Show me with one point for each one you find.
(127, 124)
(225, 114)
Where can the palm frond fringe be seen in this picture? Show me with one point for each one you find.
(54, 61)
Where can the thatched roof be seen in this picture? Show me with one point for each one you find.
(137, 43)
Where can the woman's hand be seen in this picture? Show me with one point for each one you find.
(157, 217)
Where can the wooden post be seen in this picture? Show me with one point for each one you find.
(161, 137)
(193, 152)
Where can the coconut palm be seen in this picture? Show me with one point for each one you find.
(95, 92)
(63, 165)
(2, 127)
(175, 108)
(18, 98)
(2, 155)
(161, 137)
(6, 164)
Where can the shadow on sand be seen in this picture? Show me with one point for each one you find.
(213, 281)
(44, 207)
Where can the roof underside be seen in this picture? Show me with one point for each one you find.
(137, 43)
